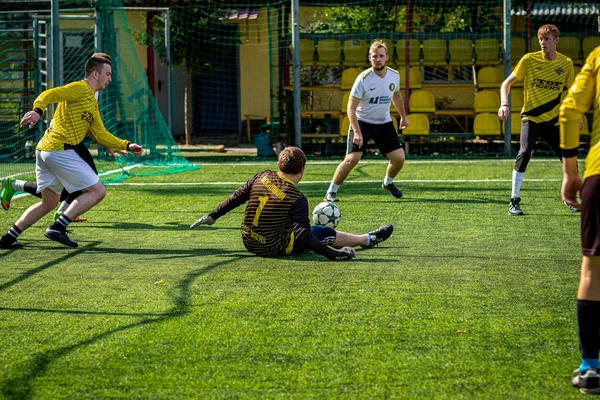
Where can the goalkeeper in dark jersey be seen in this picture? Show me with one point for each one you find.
(276, 219)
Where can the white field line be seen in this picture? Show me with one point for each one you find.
(348, 181)
(113, 171)
(382, 161)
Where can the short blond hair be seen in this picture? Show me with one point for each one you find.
(376, 45)
(548, 30)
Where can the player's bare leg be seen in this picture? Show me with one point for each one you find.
(341, 173)
(589, 283)
(370, 239)
(90, 197)
(396, 158)
(34, 213)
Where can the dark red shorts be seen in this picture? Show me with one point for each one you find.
(590, 216)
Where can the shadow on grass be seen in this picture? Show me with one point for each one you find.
(49, 264)
(168, 226)
(20, 387)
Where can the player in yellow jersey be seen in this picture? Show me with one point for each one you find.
(582, 95)
(545, 75)
(58, 166)
(276, 218)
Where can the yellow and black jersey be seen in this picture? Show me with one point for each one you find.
(77, 112)
(583, 94)
(544, 82)
(267, 225)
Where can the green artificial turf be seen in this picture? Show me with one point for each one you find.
(462, 302)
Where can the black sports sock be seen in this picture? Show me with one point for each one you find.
(31, 188)
(588, 320)
(73, 196)
(61, 223)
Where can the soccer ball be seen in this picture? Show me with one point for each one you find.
(326, 214)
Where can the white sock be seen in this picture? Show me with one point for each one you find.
(63, 207)
(18, 185)
(333, 188)
(387, 180)
(368, 239)
(517, 181)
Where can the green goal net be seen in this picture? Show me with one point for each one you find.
(30, 63)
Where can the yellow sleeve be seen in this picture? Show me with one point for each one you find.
(578, 101)
(519, 71)
(72, 91)
(104, 137)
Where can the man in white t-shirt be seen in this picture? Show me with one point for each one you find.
(369, 115)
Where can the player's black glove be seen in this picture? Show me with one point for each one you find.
(205, 220)
(345, 253)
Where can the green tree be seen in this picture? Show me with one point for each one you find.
(195, 39)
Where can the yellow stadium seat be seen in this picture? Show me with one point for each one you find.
(307, 51)
(329, 52)
(344, 126)
(421, 101)
(570, 46)
(487, 51)
(345, 99)
(395, 122)
(355, 52)
(415, 78)
(517, 49)
(589, 44)
(517, 99)
(414, 56)
(461, 51)
(490, 77)
(486, 101)
(419, 125)
(515, 123)
(349, 75)
(434, 52)
(534, 45)
(486, 124)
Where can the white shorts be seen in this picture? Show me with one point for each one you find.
(63, 169)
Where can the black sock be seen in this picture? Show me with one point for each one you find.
(31, 188)
(12, 235)
(62, 223)
(588, 320)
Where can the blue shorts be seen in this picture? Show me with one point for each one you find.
(324, 234)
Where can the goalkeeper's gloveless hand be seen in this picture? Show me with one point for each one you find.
(345, 253)
(205, 220)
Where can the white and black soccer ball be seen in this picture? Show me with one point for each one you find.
(326, 214)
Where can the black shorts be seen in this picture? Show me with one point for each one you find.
(590, 216)
(384, 135)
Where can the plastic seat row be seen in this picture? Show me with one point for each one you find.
(349, 75)
(437, 51)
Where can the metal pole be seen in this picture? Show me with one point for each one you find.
(296, 73)
(507, 72)
(169, 87)
(55, 54)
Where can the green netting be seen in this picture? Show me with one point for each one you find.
(232, 71)
(127, 106)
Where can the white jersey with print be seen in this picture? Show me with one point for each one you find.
(374, 95)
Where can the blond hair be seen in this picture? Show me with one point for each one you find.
(376, 45)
